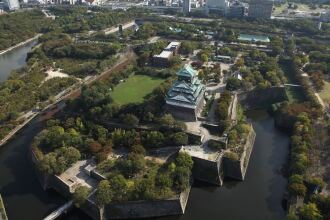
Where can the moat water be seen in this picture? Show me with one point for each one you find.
(14, 59)
(259, 196)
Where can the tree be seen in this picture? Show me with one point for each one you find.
(204, 57)
(103, 193)
(297, 189)
(184, 160)
(119, 187)
(310, 212)
(130, 119)
(233, 84)
(179, 138)
(153, 139)
(138, 149)
(182, 178)
(163, 180)
(80, 195)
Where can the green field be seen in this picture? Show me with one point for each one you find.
(134, 89)
(325, 93)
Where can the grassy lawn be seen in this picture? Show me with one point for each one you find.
(134, 89)
(325, 93)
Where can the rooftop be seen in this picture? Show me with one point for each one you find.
(253, 38)
(187, 71)
(173, 44)
(77, 175)
(164, 54)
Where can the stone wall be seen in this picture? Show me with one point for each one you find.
(208, 170)
(259, 98)
(125, 210)
(147, 209)
(236, 169)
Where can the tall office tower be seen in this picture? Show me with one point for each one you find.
(260, 9)
(186, 6)
(236, 10)
(11, 4)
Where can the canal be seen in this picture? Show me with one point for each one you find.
(14, 59)
(258, 197)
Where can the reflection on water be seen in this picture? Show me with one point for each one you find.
(14, 59)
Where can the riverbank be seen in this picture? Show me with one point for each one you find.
(20, 44)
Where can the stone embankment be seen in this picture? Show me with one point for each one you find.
(19, 44)
(260, 98)
(3, 214)
(124, 210)
(236, 169)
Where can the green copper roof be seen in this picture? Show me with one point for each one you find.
(187, 71)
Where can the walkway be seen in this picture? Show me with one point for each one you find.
(20, 44)
(63, 209)
(115, 29)
(292, 85)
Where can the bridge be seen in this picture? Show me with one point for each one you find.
(292, 85)
(63, 209)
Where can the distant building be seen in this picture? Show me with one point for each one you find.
(186, 7)
(2, 7)
(11, 5)
(217, 5)
(185, 99)
(325, 17)
(260, 9)
(236, 10)
(195, 4)
(163, 59)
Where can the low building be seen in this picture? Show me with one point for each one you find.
(185, 99)
(260, 9)
(173, 46)
(224, 59)
(163, 59)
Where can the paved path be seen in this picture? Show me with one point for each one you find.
(320, 99)
(19, 44)
(115, 29)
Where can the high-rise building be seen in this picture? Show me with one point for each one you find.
(11, 4)
(186, 6)
(217, 5)
(260, 9)
(236, 10)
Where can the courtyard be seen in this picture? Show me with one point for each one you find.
(134, 89)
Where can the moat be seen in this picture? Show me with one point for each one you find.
(259, 196)
(14, 59)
